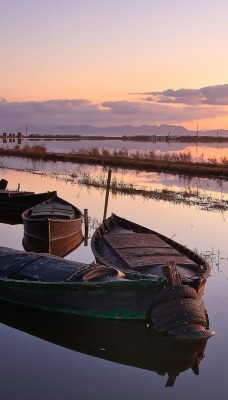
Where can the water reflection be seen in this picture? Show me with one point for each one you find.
(10, 217)
(189, 225)
(125, 342)
(199, 150)
(64, 248)
(74, 174)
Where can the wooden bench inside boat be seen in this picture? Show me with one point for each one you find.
(142, 251)
(53, 211)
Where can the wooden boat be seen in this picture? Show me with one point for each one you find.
(53, 226)
(19, 201)
(128, 246)
(131, 343)
(48, 282)
(52, 283)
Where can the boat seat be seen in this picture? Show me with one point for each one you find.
(147, 252)
(53, 206)
(53, 215)
(53, 211)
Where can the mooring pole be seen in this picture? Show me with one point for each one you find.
(86, 219)
(107, 193)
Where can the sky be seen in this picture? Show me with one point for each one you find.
(113, 62)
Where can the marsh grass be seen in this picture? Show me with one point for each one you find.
(181, 164)
(213, 258)
(185, 196)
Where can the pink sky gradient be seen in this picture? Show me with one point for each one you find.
(114, 62)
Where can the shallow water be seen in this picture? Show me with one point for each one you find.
(52, 357)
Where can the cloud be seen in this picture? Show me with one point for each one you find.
(157, 108)
(127, 107)
(209, 95)
(163, 113)
(51, 112)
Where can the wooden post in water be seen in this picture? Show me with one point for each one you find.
(86, 219)
(107, 193)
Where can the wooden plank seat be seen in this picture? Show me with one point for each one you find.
(146, 251)
(53, 206)
(131, 239)
(53, 211)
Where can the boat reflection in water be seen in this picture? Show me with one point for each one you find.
(132, 343)
(64, 247)
(10, 217)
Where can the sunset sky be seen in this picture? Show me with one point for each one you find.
(113, 62)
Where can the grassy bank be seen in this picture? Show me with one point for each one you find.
(173, 163)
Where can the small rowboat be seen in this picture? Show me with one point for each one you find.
(48, 282)
(53, 226)
(19, 201)
(128, 246)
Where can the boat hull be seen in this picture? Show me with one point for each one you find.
(116, 300)
(52, 233)
(57, 238)
(52, 283)
(21, 201)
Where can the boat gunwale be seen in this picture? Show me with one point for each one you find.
(151, 281)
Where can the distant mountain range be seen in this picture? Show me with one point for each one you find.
(128, 130)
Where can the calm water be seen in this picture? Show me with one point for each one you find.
(199, 151)
(44, 356)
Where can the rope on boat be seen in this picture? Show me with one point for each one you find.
(177, 310)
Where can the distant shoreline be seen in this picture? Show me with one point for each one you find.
(125, 138)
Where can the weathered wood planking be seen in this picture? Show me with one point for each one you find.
(139, 250)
